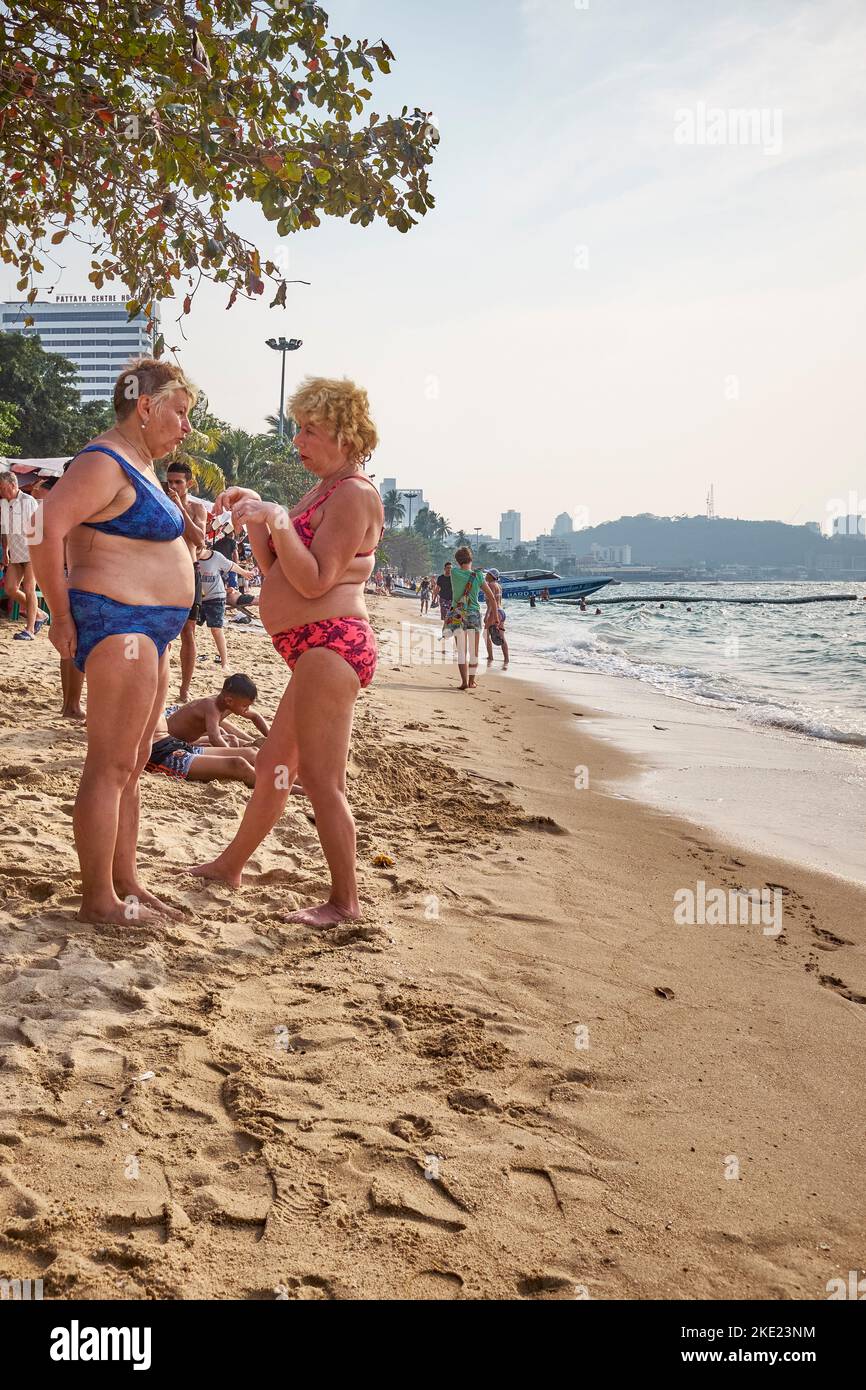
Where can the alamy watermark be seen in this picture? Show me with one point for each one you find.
(736, 907)
(20, 1289)
(717, 125)
(20, 520)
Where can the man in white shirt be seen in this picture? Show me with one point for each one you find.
(19, 523)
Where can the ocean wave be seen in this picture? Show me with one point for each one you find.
(722, 690)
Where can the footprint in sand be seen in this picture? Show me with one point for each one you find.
(839, 987)
(546, 1286)
(436, 1284)
(411, 1127)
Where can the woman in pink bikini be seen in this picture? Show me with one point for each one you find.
(315, 563)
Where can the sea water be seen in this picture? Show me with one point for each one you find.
(788, 666)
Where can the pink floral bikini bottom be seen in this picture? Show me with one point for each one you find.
(351, 638)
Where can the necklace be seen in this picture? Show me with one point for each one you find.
(148, 458)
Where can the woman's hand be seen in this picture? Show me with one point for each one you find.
(63, 635)
(230, 498)
(253, 509)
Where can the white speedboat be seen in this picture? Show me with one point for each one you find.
(522, 583)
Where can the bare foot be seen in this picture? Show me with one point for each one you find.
(141, 894)
(217, 871)
(183, 697)
(473, 684)
(121, 914)
(75, 713)
(324, 915)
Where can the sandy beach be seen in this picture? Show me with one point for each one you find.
(517, 1078)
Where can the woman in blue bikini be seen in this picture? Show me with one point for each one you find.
(129, 588)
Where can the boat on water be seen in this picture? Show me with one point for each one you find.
(522, 583)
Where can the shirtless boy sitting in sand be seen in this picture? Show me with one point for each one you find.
(193, 762)
(206, 720)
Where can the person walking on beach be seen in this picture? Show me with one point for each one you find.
(129, 591)
(494, 621)
(315, 561)
(18, 526)
(464, 615)
(443, 589)
(425, 595)
(178, 481)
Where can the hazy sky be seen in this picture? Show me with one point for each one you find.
(597, 317)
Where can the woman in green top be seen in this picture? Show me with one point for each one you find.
(464, 617)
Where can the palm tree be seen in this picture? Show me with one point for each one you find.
(290, 426)
(461, 539)
(240, 457)
(197, 450)
(393, 508)
(441, 527)
(423, 523)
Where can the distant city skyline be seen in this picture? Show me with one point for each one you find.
(564, 524)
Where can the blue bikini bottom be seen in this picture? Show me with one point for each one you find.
(96, 617)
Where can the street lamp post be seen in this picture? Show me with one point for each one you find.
(477, 530)
(411, 496)
(283, 345)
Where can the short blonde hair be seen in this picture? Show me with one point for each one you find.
(344, 410)
(147, 376)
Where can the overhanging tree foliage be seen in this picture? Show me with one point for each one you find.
(149, 121)
(50, 420)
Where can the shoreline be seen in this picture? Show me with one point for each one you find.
(742, 783)
(516, 1078)
(714, 769)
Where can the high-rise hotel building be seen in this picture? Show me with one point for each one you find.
(90, 329)
(509, 530)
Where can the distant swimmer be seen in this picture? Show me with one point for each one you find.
(532, 600)
(598, 612)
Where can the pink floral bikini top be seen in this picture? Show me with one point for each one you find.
(305, 531)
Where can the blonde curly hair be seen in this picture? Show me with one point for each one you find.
(343, 409)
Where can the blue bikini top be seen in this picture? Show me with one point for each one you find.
(152, 516)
